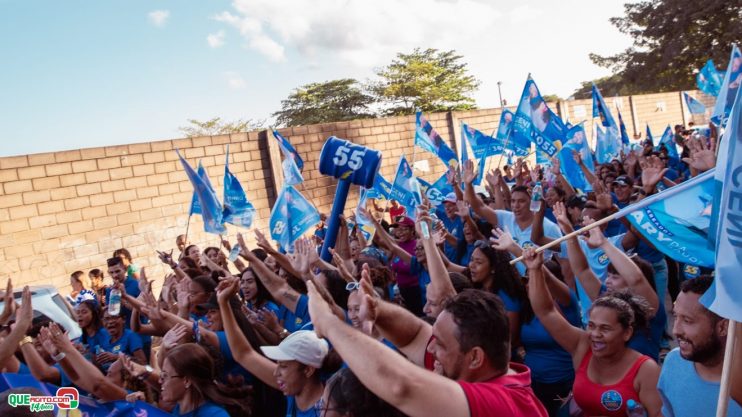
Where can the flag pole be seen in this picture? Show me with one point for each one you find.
(188, 226)
(722, 403)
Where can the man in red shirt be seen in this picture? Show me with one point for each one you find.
(471, 343)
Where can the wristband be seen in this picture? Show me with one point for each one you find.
(147, 372)
(26, 339)
(58, 357)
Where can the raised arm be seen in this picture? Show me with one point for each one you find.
(414, 390)
(279, 289)
(405, 330)
(629, 271)
(569, 337)
(439, 280)
(577, 260)
(476, 203)
(281, 258)
(242, 352)
(24, 317)
(84, 374)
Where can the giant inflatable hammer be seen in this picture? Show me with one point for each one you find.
(350, 164)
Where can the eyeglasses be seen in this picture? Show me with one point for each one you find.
(352, 286)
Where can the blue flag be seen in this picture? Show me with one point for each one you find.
(709, 80)
(405, 189)
(668, 139)
(729, 88)
(237, 209)
(291, 217)
(576, 142)
(381, 189)
(427, 138)
(365, 225)
(211, 208)
(649, 134)
(436, 191)
(607, 144)
(464, 145)
(534, 121)
(676, 221)
(694, 106)
(288, 150)
(624, 133)
(195, 205)
(520, 146)
(481, 145)
(726, 227)
(601, 110)
(292, 163)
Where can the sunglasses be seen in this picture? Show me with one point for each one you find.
(352, 286)
(481, 244)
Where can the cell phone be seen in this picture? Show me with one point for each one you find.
(234, 253)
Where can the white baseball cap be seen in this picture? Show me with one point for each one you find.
(302, 346)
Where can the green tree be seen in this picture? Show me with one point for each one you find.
(671, 39)
(216, 126)
(330, 101)
(430, 80)
(609, 86)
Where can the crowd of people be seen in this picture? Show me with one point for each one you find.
(427, 318)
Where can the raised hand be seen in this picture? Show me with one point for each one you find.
(452, 176)
(493, 178)
(533, 260)
(134, 369)
(166, 257)
(184, 300)
(555, 166)
(368, 311)
(319, 310)
(462, 209)
(560, 212)
(502, 240)
(577, 157)
(226, 289)
(702, 156)
(268, 318)
(24, 314)
(9, 307)
(262, 242)
(652, 173)
(603, 198)
(469, 174)
(631, 159)
(596, 237)
(173, 336)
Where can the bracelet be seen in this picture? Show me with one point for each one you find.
(284, 334)
(58, 357)
(26, 339)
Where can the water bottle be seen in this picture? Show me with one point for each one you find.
(114, 303)
(536, 197)
(635, 409)
(234, 253)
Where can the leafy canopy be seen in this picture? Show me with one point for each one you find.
(329, 101)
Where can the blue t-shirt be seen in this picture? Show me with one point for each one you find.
(464, 252)
(648, 342)
(549, 363)
(416, 268)
(128, 343)
(100, 338)
(455, 227)
(207, 409)
(685, 394)
(293, 321)
(230, 366)
(511, 304)
(132, 288)
(506, 221)
(292, 410)
(270, 305)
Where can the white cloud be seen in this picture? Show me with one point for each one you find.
(235, 80)
(158, 17)
(354, 31)
(216, 40)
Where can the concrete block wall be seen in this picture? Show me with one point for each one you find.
(67, 211)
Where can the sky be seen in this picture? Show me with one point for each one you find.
(80, 74)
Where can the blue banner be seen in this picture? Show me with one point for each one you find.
(365, 225)
(381, 189)
(726, 227)
(668, 139)
(601, 110)
(709, 80)
(520, 146)
(624, 133)
(427, 138)
(195, 205)
(649, 135)
(729, 88)
(406, 190)
(694, 106)
(288, 150)
(291, 217)
(607, 144)
(237, 209)
(576, 142)
(291, 173)
(676, 221)
(436, 191)
(535, 122)
(210, 206)
(481, 145)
